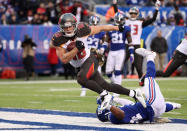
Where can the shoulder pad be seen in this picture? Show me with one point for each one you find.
(58, 39)
(83, 29)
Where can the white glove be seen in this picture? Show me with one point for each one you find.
(157, 4)
(131, 58)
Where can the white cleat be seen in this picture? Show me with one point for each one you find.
(144, 52)
(175, 105)
(139, 97)
(106, 102)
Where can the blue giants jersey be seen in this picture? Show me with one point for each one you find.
(94, 40)
(118, 39)
(134, 114)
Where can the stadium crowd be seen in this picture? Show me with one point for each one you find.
(47, 12)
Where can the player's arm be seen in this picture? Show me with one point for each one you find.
(131, 47)
(99, 28)
(117, 112)
(129, 38)
(150, 21)
(65, 56)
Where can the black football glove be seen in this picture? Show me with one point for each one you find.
(121, 27)
(79, 45)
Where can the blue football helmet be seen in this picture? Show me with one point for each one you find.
(119, 18)
(94, 20)
(102, 115)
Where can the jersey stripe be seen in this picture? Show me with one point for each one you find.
(152, 93)
(168, 65)
(90, 71)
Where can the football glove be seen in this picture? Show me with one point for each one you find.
(79, 45)
(121, 27)
(157, 4)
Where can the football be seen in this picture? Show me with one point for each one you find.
(71, 46)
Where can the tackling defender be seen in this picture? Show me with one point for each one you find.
(70, 44)
(135, 113)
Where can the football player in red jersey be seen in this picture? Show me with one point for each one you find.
(70, 43)
(136, 24)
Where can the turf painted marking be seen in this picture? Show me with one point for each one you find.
(27, 119)
(74, 81)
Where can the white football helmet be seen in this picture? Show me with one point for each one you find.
(134, 13)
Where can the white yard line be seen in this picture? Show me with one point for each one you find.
(74, 81)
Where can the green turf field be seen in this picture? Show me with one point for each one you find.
(64, 95)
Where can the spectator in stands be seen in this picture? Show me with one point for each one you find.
(159, 45)
(46, 21)
(170, 3)
(2, 9)
(136, 2)
(4, 20)
(36, 20)
(177, 15)
(28, 56)
(184, 2)
(13, 20)
(52, 13)
(111, 12)
(53, 60)
(29, 17)
(150, 3)
(41, 18)
(80, 11)
(41, 9)
(9, 11)
(65, 6)
(171, 20)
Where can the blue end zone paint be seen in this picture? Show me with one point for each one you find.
(77, 114)
(52, 126)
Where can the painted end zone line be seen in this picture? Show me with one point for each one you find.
(30, 119)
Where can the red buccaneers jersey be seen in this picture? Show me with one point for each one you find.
(136, 30)
(68, 43)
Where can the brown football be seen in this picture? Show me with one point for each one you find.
(71, 46)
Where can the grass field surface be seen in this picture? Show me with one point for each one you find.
(65, 95)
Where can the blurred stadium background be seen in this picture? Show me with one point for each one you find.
(38, 19)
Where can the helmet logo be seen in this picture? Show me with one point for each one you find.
(67, 24)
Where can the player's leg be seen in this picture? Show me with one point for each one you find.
(177, 60)
(112, 87)
(138, 61)
(171, 106)
(122, 101)
(119, 60)
(87, 70)
(110, 66)
(151, 89)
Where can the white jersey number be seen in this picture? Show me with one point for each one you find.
(135, 119)
(134, 29)
(117, 38)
